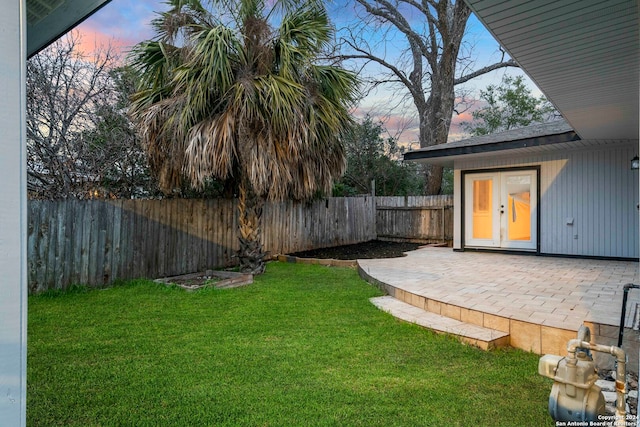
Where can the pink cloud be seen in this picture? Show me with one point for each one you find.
(93, 39)
(122, 23)
(401, 126)
(456, 131)
(405, 128)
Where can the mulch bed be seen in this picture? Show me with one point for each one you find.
(367, 250)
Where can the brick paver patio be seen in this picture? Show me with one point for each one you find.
(540, 301)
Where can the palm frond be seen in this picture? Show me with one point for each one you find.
(208, 74)
(337, 85)
(162, 142)
(302, 36)
(211, 149)
(153, 60)
(184, 18)
(248, 9)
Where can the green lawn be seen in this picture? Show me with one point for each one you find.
(302, 346)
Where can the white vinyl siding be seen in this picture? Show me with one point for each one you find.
(13, 218)
(593, 185)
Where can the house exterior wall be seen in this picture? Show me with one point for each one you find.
(593, 185)
(13, 217)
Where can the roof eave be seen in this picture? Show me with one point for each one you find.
(62, 17)
(442, 151)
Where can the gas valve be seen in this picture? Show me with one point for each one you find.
(575, 395)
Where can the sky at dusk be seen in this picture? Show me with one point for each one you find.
(123, 23)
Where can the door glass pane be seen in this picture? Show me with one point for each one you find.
(519, 207)
(482, 212)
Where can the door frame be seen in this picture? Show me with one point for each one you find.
(462, 217)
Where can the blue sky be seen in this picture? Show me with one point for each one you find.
(125, 23)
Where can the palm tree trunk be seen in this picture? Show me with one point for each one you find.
(251, 253)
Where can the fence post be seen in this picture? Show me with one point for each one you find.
(443, 233)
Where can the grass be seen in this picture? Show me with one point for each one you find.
(302, 346)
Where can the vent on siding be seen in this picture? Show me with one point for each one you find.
(37, 10)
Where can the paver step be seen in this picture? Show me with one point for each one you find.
(478, 336)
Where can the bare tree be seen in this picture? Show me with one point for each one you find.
(425, 64)
(116, 153)
(79, 141)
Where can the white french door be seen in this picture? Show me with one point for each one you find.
(501, 209)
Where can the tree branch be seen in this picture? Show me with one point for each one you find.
(390, 13)
(368, 56)
(484, 70)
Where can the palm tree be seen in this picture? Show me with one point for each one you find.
(226, 94)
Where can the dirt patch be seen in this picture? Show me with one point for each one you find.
(218, 279)
(367, 250)
(195, 282)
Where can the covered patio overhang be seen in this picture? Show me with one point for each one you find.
(583, 55)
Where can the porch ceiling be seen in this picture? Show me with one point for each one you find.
(47, 20)
(582, 54)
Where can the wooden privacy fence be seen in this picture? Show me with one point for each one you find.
(97, 241)
(415, 218)
(94, 242)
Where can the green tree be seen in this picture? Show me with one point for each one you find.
(372, 157)
(509, 105)
(235, 91)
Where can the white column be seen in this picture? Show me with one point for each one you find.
(457, 209)
(13, 216)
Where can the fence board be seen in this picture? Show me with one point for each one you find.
(47, 232)
(33, 243)
(67, 247)
(115, 240)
